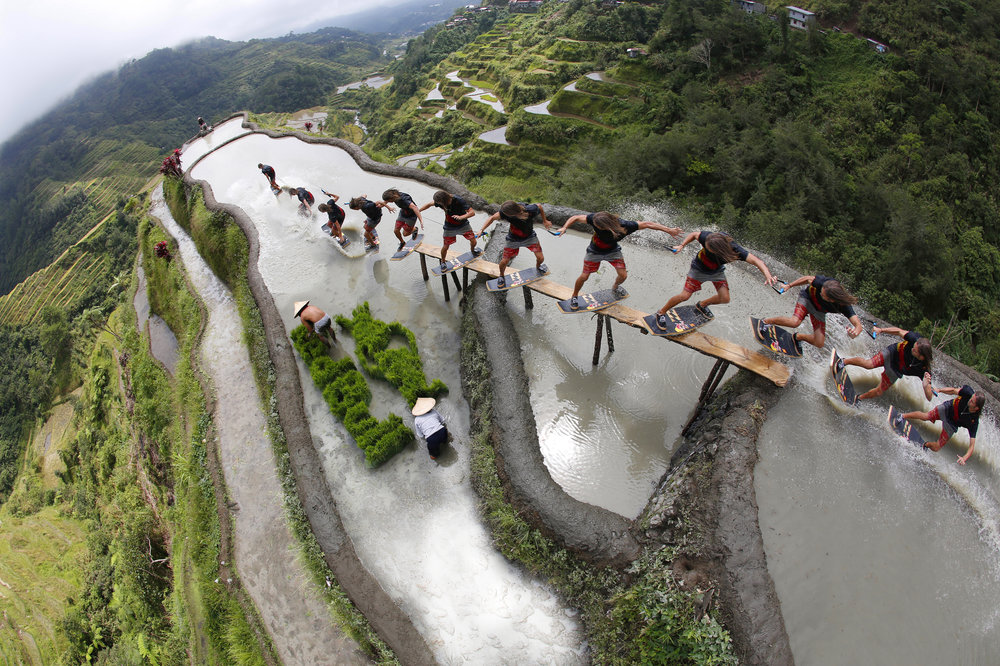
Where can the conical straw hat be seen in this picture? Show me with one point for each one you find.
(300, 306)
(423, 405)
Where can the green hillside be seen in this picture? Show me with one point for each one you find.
(65, 172)
(878, 168)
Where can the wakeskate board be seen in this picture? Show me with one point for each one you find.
(342, 248)
(516, 279)
(453, 265)
(409, 247)
(680, 321)
(775, 338)
(591, 302)
(845, 387)
(903, 427)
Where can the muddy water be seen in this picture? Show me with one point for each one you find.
(315, 115)
(162, 342)
(376, 82)
(295, 616)
(498, 135)
(197, 147)
(607, 432)
(880, 552)
(413, 521)
(477, 93)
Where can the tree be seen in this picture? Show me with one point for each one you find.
(702, 53)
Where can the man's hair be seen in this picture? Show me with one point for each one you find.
(608, 222)
(389, 195)
(511, 208)
(358, 202)
(978, 399)
(838, 294)
(923, 346)
(442, 198)
(721, 245)
(323, 208)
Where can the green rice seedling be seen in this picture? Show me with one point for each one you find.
(401, 367)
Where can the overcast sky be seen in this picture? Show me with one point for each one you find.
(48, 48)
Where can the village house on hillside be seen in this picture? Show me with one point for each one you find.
(751, 6)
(800, 18)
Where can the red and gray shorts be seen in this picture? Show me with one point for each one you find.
(889, 374)
(696, 277)
(803, 306)
(940, 413)
(592, 261)
(406, 224)
(451, 233)
(370, 224)
(512, 247)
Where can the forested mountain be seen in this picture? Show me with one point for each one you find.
(879, 168)
(64, 172)
(406, 18)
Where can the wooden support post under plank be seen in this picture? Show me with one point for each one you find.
(465, 277)
(707, 390)
(458, 285)
(611, 339)
(444, 283)
(528, 304)
(597, 338)
(423, 267)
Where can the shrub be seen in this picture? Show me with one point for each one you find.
(348, 396)
(400, 367)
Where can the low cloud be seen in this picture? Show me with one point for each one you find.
(48, 49)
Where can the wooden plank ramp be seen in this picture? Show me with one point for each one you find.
(765, 366)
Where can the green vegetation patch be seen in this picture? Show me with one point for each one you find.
(551, 131)
(346, 392)
(600, 109)
(605, 88)
(454, 89)
(400, 366)
(42, 559)
(481, 110)
(571, 51)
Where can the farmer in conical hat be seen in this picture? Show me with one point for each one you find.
(316, 321)
(429, 425)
